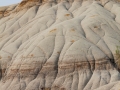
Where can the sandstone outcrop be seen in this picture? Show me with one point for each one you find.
(60, 45)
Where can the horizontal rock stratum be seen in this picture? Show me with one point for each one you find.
(60, 45)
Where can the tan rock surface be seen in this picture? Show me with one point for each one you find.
(60, 45)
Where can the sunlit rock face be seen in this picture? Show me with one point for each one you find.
(60, 45)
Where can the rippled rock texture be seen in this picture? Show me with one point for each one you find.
(60, 45)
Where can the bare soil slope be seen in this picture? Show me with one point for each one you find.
(60, 45)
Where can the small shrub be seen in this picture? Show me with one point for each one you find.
(118, 56)
(118, 50)
(53, 30)
(72, 30)
(67, 14)
(9, 57)
(32, 55)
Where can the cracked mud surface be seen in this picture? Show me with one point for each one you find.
(59, 45)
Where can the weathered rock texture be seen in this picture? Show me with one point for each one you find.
(60, 45)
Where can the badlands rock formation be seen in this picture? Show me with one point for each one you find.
(60, 45)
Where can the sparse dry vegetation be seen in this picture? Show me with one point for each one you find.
(67, 14)
(118, 56)
(26, 1)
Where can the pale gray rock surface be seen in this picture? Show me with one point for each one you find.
(60, 45)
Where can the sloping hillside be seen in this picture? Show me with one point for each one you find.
(60, 45)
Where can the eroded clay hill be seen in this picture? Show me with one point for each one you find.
(60, 45)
